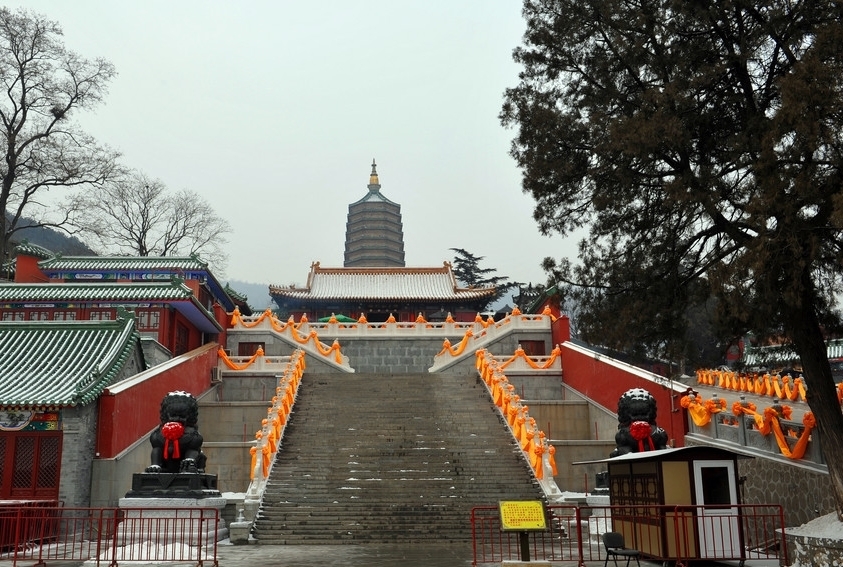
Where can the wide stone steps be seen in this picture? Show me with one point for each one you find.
(389, 458)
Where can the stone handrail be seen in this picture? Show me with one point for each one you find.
(475, 334)
(769, 428)
(473, 341)
(300, 334)
(268, 437)
(258, 362)
(744, 432)
(779, 387)
(533, 442)
(391, 328)
(521, 362)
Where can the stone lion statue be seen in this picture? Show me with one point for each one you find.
(637, 429)
(177, 443)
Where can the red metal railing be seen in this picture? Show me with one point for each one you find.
(726, 532)
(677, 534)
(109, 536)
(10, 510)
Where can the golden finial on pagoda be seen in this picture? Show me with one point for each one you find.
(373, 177)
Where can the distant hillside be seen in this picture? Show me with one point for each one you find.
(257, 294)
(53, 240)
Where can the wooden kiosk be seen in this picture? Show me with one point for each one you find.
(699, 481)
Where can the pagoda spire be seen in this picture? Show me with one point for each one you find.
(374, 184)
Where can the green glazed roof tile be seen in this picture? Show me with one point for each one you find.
(30, 249)
(128, 294)
(82, 292)
(56, 364)
(121, 263)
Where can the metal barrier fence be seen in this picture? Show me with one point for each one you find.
(109, 536)
(677, 534)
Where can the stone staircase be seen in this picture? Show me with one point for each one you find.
(389, 458)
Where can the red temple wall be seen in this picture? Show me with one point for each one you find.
(605, 383)
(133, 410)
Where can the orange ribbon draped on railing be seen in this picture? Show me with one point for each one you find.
(784, 388)
(781, 387)
(234, 366)
(520, 354)
(769, 422)
(296, 335)
(460, 348)
(268, 438)
(531, 440)
(701, 412)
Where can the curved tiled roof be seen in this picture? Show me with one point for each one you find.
(236, 296)
(374, 197)
(34, 250)
(782, 354)
(145, 268)
(175, 293)
(121, 263)
(61, 363)
(382, 284)
(82, 292)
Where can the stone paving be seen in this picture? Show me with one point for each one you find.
(368, 555)
(373, 555)
(381, 555)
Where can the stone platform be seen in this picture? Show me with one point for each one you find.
(174, 485)
(191, 518)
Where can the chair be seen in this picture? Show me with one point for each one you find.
(615, 547)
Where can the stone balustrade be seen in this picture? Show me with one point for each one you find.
(474, 334)
(744, 431)
(479, 328)
(537, 451)
(261, 363)
(271, 429)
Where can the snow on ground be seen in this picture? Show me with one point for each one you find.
(827, 526)
(147, 552)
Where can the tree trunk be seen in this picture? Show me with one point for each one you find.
(821, 392)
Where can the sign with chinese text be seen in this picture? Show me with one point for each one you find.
(522, 515)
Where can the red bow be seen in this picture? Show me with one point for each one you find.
(640, 431)
(172, 431)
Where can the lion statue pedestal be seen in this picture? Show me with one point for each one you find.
(177, 468)
(174, 487)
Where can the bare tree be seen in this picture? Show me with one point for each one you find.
(43, 84)
(135, 214)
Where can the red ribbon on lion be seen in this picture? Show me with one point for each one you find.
(640, 431)
(172, 431)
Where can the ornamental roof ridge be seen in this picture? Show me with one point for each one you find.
(107, 262)
(234, 294)
(384, 269)
(176, 265)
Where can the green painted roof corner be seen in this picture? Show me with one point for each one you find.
(58, 364)
(235, 295)
(26, 247)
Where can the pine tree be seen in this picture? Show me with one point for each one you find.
(700, 142)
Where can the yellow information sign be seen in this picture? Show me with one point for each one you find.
(521, 515)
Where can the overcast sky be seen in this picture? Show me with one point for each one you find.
(274, 110)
